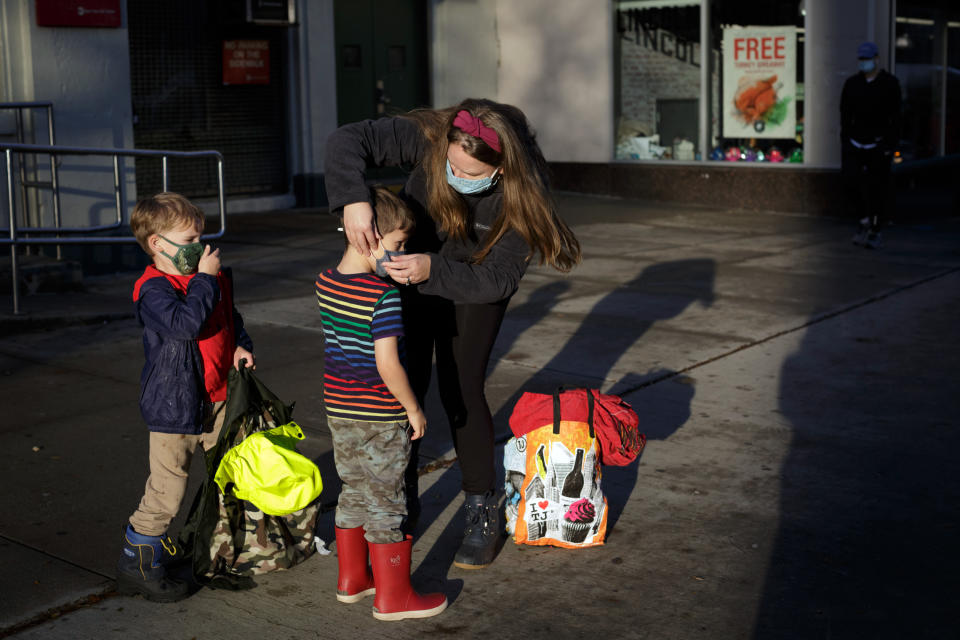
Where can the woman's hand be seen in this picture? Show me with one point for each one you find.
(359, 227)
(413, 268)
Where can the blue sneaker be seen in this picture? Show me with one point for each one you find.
(141, 571)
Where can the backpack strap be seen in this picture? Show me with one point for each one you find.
(556, 410)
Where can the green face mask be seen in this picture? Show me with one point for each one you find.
(187, 256)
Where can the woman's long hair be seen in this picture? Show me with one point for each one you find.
(528, 207)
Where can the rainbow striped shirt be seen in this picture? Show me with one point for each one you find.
(356, 310)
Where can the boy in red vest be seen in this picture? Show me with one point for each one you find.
(192, 335)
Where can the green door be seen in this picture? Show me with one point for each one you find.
(381, 54)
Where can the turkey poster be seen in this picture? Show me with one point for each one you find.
(759, 82)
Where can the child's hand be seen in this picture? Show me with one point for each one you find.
(209, 261)
(418, 422)
(243, 354)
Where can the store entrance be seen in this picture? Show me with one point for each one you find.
(187, 97)
(927, 63)
(381, 55)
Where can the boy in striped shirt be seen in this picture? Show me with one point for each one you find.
(373, 415)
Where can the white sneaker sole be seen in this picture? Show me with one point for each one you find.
(356, 597)
(402, 615)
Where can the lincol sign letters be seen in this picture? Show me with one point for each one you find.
(759, 82)
(246, 62)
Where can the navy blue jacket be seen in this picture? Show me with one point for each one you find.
(172, 382)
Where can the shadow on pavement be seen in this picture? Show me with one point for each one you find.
(600, 341)
(867, 540)
(594, 350)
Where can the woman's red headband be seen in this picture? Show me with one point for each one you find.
(472, 125)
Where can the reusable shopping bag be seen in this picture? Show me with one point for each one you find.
(553, 471)
(229, 539)
(615, 422)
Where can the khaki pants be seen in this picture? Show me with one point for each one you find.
(170, 456)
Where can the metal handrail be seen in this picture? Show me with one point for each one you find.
(12, 231)
(19, 108)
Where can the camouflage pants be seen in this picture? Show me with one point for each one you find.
(371, 458)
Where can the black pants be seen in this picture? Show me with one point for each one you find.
(866, 176)
(462, 337)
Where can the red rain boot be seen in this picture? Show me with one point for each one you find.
(396, 599)
(354, 580)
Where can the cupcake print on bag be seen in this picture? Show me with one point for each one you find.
(577, 520)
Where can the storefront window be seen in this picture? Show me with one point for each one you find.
(659, 58)
(754, 81)
(759, 81)
(927, 55)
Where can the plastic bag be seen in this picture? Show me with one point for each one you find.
(266, 470)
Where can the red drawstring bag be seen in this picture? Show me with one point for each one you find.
(615, 421)
(617, 426)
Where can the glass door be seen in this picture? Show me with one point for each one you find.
(928, 67)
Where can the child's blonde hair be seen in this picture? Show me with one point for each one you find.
(163, 212)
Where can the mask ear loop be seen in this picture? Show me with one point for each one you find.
(159, 249)
(376, 228)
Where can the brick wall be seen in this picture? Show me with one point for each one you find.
(656, 65)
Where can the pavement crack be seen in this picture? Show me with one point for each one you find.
(813, 321)
(54, 556)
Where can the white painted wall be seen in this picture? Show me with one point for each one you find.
(556, 63)
(551, 58)
(315, 87)
(85, 72)
(464, 50)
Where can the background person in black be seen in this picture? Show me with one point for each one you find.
(479, 185)
(869, 131)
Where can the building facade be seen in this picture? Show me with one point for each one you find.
(731, 102)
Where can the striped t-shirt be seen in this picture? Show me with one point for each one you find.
(357, 309)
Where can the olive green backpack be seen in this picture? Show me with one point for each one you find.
(226, 538)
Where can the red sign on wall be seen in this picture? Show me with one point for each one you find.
(78, 13)
(246, 62)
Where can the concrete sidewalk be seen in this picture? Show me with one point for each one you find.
(800, 396)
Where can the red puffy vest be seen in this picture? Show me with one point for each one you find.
(217, 341)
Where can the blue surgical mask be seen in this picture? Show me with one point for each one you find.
(388, 256)
(867, 65)
(467, 186)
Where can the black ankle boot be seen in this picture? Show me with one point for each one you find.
(482, 532)
(140, 569)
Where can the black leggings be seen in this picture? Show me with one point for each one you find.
(462, 337)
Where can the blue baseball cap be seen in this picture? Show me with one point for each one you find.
(867, 50)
